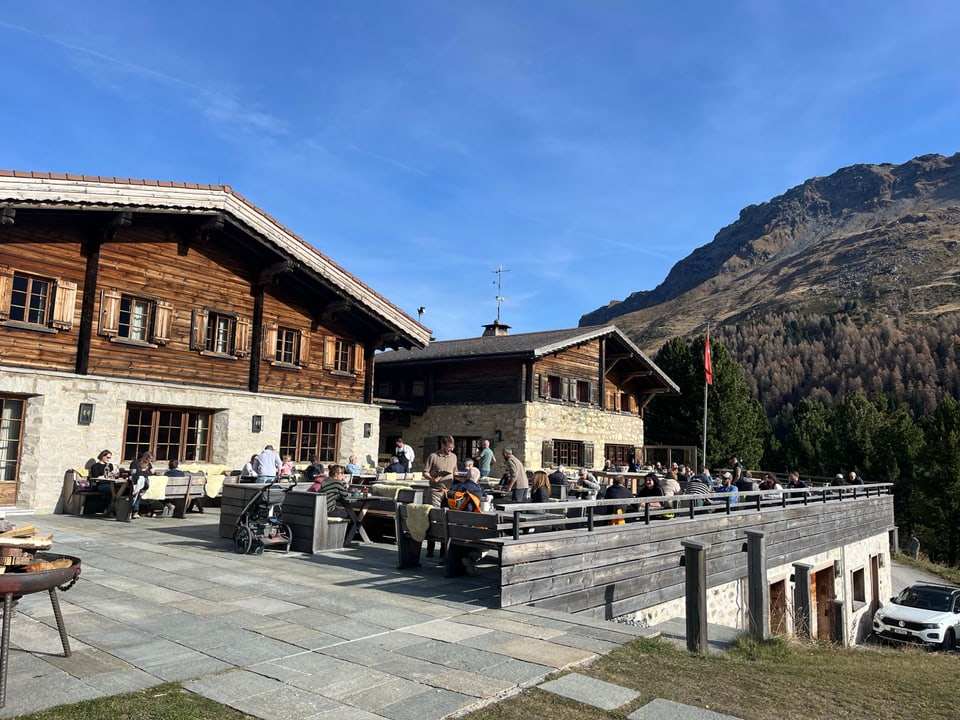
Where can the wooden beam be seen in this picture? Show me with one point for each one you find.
(7, 216)
(333, 311)
(201, 234)
(271, 275)
(116, 223)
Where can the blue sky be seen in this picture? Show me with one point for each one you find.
(584, 146)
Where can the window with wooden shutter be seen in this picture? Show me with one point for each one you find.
(6, 288)
(270, 350)
(162, 322)
(109, 313)
(304, 359)
(198, 329)
(546, 453)
(588, 455)
(64, 303)
(358, 359)
(329, 351)
(241, 338)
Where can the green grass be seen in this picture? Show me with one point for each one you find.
(773, 679)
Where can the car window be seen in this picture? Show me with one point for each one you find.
(927, 598)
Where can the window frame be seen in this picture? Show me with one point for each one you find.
(194, 433)
(569, 453)
(302, 436)
(58, 304)
(11, 437)
(157, 328)
(238, 328)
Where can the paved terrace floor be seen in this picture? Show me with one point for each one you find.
(340, 635)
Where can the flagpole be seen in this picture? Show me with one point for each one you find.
(708, 372)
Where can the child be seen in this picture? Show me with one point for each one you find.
(287, 467)
(139, 482)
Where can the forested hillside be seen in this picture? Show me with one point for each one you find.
(787, 357)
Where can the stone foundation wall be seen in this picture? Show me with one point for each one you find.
(524, 427)
(53, 441)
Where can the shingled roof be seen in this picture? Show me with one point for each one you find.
(63, 192)
(523, 346)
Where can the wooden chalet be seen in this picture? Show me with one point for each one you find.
(175, 318)
(560, 397)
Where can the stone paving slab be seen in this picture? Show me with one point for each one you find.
(590, 691)
(668, 710)
(340, 635)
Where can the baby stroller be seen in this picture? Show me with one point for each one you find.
(260, 525)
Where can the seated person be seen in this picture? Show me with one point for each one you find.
(617, 490)
(352, 467)
(465, 494)
(315, 472)
(727, 486)
(336, 491)
(395, 466)
(586, 481)
(248, 473)
(101, 471)
(138, 483)
(540, 487)
(173, 469)
(558, 477)
(651, 489)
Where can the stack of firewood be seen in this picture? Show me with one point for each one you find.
(19, 546)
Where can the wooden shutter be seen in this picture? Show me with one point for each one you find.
(594, 394)
(109, 312)
(241, 338)
(564, 389)
(546, 453)
(304, 357)
(64, 303)
(544, 386)
(162, 320)
(268, 350)
(358, 358)
(633, 403)
(329, 351)
(198, 329)
(588, 455)
(6, 291)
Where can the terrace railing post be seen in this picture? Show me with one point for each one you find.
(802, 602)
(590, 518)
(758, 590)
(646, 513)
(516, 525)
(695, 563)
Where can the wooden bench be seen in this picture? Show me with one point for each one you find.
(306, 514)
(459, 532)
(72, 501)
(183, 492)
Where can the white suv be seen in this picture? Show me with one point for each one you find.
(924, 613)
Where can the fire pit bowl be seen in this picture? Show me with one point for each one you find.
(15, 583)
(23, 583)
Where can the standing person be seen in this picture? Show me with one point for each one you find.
(267, 465)
(517, 483)
(485, 459)
(286, 468)
(438, 471)
(405, 454)
(139, 483)
(736, 471)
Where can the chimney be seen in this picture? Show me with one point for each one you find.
(495, 329)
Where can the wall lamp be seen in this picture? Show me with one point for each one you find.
(257, 423)
(498, 435)
(85, 416)
(367, 430)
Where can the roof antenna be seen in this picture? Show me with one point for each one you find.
(499, 273)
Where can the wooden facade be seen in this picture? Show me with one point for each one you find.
(160, 285)
(551, 396)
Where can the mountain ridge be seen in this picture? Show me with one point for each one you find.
(883, 236)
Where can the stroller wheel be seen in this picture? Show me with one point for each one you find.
(258, 548)
(285, 532)
(243, 539)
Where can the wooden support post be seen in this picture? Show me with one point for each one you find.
(758, 589)
(695, 562)
(802, 602)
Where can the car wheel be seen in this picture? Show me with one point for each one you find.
(949, 640)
